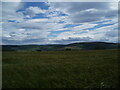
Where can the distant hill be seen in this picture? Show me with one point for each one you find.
(68, 47)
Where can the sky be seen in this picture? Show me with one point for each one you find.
(58, 22)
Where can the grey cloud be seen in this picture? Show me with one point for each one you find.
(30, 12)
(87, 5)
(9, 11)
(87, 17)
(78, 6)
(22, 42)
(39, 40)
(111, 14)
(6, 41)
(29, 25)
(79, 14)
(72, 40)
(104, 39)
(112, 33)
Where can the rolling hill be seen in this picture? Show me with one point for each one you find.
(58, 47)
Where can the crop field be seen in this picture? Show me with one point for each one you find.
(60, 69)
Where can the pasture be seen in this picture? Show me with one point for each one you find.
(60, 69)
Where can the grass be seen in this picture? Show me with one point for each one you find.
(60, 69)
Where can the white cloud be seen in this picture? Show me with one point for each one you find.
(32, 11)
(37, 20)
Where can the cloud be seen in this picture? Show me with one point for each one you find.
(9, 11)
(26, 41)
(112, 33)
(73, 40)
(105, 34)
(38, 20)
(84, 26)
(80, 12)
(32, 11)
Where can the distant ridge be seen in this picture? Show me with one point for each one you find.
(60, 47)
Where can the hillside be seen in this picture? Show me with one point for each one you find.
(57, 47)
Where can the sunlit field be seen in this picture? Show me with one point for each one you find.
(60, 69)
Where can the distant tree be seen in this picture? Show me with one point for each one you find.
(39, 50)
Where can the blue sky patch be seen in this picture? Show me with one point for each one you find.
(55, 33)
(11, 20)
(99, 26)
(71, 25)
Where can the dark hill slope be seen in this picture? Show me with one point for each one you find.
(54, 47)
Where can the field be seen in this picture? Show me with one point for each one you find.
(60, 69)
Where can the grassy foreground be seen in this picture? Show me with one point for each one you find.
(61, 69)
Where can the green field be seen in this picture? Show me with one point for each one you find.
(60, 69)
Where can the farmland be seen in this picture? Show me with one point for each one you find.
(60, 69)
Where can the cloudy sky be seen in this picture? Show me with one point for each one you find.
(59, 22)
